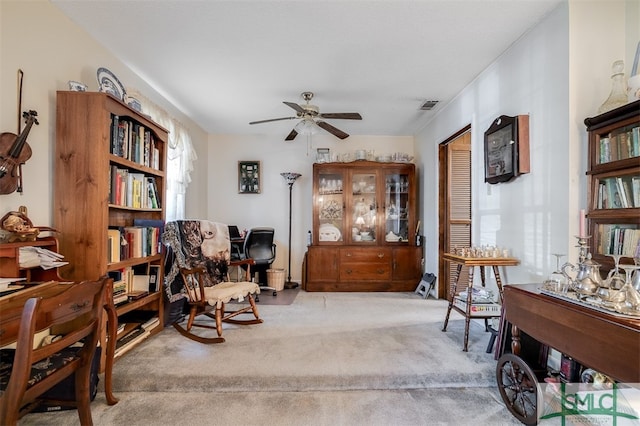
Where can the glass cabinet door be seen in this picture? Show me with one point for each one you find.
(364, 207)
(330, 207)
(396, 207)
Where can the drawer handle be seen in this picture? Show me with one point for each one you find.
(348, 254)
(380, 255)
(380, 271)
(348, 271)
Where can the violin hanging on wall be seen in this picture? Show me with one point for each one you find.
(15, 151)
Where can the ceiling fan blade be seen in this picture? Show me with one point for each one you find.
(342, 115)
(291, 136)
(329, 128)
(295, 106)
(273, 119)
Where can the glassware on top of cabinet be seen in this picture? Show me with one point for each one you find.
(618, 95)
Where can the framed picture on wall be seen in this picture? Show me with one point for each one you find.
(506, 148)
(249, 177)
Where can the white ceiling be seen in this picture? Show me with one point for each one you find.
(226, 63)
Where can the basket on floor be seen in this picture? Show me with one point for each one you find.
(275, 279)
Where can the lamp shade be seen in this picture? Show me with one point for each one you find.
(290, 177)
(306, 127)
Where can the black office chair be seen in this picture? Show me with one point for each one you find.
(237, 243)
(259, 246)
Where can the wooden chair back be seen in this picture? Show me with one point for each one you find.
(77, 313)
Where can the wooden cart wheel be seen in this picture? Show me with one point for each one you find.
(518, 387)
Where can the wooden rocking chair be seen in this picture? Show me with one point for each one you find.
(203, 300)
(198, 264)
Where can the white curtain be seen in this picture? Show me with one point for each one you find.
(180, 158)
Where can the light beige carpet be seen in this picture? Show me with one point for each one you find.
(326, 359)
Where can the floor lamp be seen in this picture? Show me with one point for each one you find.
(290, 178)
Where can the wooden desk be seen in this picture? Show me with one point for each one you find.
(471, 263)
(10, 265)
(608, 343)
(11, 307)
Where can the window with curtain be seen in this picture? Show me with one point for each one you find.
(180, 158)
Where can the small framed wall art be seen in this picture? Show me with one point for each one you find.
(506, 149)
(249, 177)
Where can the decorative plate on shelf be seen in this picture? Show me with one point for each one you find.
(109, 83)
(328, 232)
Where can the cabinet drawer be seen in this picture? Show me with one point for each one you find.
(369, 255)
(364, 272)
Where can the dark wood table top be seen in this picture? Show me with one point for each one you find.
(606, 342)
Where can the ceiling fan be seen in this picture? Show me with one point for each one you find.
(309, 115)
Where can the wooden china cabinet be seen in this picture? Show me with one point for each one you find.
(364, 228)
(614, 184)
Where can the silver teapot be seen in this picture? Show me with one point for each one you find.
(587, 280)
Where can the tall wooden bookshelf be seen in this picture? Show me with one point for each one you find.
(614, 184)
(100, 143)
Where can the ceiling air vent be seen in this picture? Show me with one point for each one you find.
(428, 105)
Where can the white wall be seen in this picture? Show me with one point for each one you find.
(271, 206)
(551, 73)
(51, 50)
(558, 73)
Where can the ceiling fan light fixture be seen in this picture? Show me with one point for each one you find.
(306, 127)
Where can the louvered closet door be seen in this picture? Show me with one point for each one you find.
(459, 202)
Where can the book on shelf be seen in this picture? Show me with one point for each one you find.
(623, 146)
(622, 191)
(635, 189)
(635, 141)
(120, 298)
(156, 229)
(154, 275)
(605, 150)
(137, 294)
(134, 142)
(618, 239)
(151, 323)
(114, 241)
(136, 240)
(139, 283)
(613, 148)
(153, 200)
(145, 319)
(135, 336)
(121, 327)
(614, 199)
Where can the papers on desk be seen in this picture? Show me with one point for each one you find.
(8, 285)
(31, 257)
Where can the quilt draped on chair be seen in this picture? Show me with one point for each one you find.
(193, 243)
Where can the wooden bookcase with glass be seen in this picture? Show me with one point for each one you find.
(109, 205)
(364, 228)
(614, 185)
